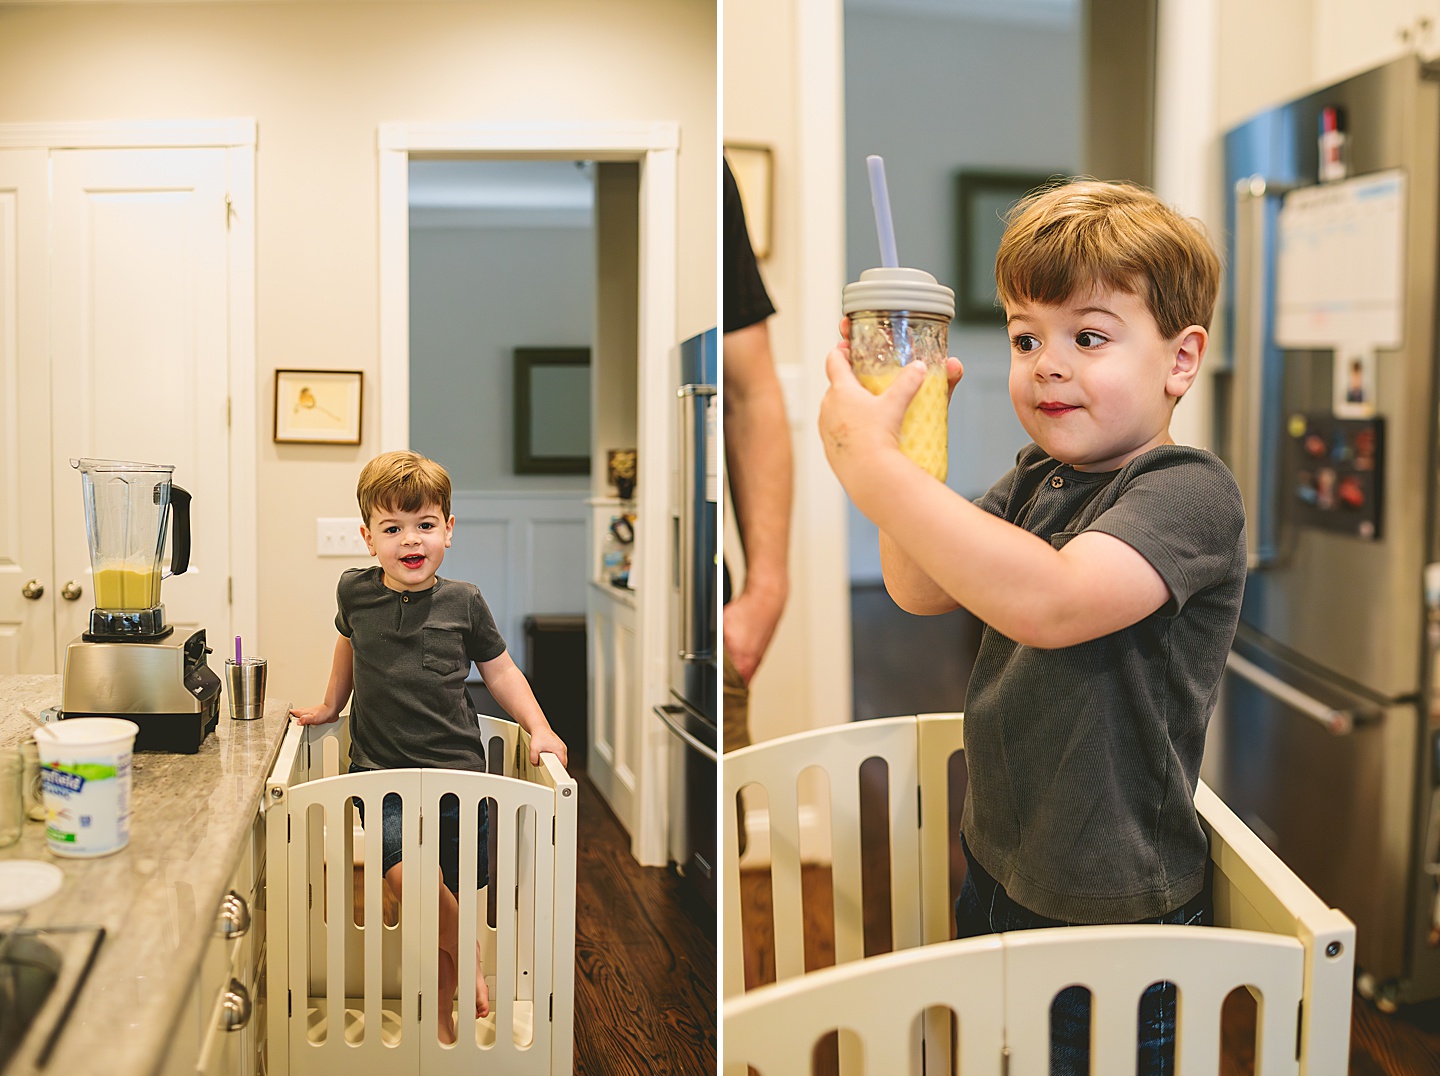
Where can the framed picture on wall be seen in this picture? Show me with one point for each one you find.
(753, 169)
(982, 201)
(318, 406)
(552, 410)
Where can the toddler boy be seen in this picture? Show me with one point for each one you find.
(407, 638)
(1107, 566)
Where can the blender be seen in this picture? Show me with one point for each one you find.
(130, 663)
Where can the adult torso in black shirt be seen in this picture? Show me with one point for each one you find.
(746, 301)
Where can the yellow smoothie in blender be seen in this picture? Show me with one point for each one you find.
(924, 432)
(126, 587)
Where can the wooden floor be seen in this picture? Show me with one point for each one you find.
(645, 969)
(645, 972)
(905, 665)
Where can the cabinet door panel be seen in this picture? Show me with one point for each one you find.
(1352, 37)
(139, 337)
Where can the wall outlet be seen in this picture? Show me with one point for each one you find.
(339, 538)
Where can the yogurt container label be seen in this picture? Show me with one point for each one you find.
(86, 787)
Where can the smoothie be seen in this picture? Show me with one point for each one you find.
(127, 588)
(924, 432)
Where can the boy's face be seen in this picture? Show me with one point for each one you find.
(1093, 381)
(409, 545)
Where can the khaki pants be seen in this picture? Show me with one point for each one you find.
(737, 709)
(737, 729)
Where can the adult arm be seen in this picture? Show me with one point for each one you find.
(758, 462)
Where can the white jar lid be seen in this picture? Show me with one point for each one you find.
(899, 289)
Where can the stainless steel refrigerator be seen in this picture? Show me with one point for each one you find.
(691, 713)
(1323, 740)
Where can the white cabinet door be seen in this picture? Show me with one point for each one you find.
(139, 331)
(27, 625)
(615, 716)
(1351, 37)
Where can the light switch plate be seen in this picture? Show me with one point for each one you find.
(339, 538)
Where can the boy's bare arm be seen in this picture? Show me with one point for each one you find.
(1013, 580)
(907, 583)
(507, 683)
(337, 692)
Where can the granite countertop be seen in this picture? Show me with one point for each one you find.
(156, 898)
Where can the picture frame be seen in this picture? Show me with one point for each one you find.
(318, 407)
(753, 167)
(620, 468)
(552, 410)
(982, 201)
(1353, 392)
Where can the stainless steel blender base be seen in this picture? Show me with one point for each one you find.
(164, 686)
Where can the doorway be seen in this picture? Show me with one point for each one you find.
(1035, 126)
(502, 269)
(628, 757)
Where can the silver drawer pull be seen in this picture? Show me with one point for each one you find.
(234, 1006)
(234, 918)
(1339, 722)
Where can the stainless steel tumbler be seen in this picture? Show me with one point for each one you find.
(245, 686)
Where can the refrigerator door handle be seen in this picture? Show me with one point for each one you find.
(1248, 350)
(664, 714)
(695, 404)
(1339, 722)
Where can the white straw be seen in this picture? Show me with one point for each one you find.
(880, 199)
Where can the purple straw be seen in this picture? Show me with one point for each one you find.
(237, 651)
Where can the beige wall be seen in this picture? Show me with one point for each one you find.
(319, 78)
(782, 79)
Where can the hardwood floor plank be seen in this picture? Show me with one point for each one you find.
(645, 959)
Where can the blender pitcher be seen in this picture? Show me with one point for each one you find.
(127, 512)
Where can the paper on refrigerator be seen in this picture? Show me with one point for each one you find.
(1340, 264)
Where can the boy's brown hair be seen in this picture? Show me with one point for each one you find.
(1063, 240)
(404, 482)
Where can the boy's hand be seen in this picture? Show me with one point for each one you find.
(314, 715)
(546, 740)
(856, 425)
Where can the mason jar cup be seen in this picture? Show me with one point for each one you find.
(899, 316)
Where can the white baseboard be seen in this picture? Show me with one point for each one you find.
(814, 838)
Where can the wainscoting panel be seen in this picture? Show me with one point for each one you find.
(526, 551)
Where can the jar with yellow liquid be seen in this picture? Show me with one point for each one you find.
(899, 316)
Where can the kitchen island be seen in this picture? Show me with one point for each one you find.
(192, 821)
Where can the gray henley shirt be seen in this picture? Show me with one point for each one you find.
(1083, 760)
(412, 653)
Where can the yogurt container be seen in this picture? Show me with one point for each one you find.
(85, 779)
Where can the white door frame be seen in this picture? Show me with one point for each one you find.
(238, 136)
(654, 146)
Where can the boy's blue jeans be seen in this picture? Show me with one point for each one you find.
(391, 837)
(983, 907)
